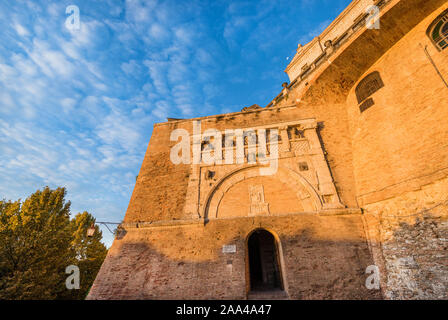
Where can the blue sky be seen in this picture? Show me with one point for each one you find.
(77, 106)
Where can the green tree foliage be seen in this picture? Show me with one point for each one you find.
(90, 252)
(38, 241)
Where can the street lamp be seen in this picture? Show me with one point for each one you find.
(91, 230)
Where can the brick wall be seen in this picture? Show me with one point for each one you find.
(323, 258)
(400, 142)
(161, 187)
(400, 166)
(409, 239)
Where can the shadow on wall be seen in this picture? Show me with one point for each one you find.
(311, 268)
(417, 259)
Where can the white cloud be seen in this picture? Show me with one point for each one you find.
(21, 30)
(68, 104)
(6, 101)
(118, 130)
(161, 110)
(50, 62)
(158, 32)
(24, 66)
(157, 71)
(77, 106)
(184, 34)
(140, 10)
(130, 67)
(304, 39)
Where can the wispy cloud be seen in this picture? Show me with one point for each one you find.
(77, 106)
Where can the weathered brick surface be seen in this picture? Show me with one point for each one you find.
(409, 236)
(400, 142)
(160, 189)
(323, 257)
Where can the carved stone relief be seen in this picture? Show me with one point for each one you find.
(300, 153)
(257, 204)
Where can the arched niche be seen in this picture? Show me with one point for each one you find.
(438, 31)
(307, 199)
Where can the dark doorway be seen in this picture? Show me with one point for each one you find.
(263, 262)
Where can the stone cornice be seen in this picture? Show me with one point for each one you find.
(189, 222)
(308, 46)
(226, 115)
(316, 43)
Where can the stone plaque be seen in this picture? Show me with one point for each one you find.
(231, 248)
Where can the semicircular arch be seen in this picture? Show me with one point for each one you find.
(305, 191)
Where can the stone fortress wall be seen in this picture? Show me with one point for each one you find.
(362, 179)
(172, 247)
(401, 165)
(400, 154)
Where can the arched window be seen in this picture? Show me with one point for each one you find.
(438, 31)
(368, 86)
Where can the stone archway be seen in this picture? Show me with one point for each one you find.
(264, 267)
(308, 199)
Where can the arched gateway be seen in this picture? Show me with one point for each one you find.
(264, 266)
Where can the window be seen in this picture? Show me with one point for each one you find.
(251, 157)
(368, 86)
(366, 104)
(295, 133)
(209, 175)
(275, 135)
(303, 166)
(438, 31)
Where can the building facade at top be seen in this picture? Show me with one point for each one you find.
(360, 181)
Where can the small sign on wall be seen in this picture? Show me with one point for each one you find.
(231, 248)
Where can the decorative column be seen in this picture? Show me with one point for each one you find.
(191, 209)
(327, 189)
(286, 145)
